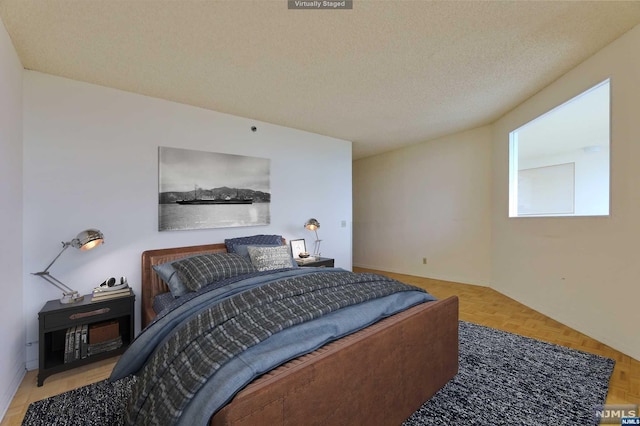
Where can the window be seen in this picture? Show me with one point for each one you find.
(559, 162)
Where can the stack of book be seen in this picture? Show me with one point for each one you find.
(86, 340)
(76, 343)
(103, 337)
(302, 261)
(99, 295)
(106, 346)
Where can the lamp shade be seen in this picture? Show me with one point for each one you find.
(312, 224)
(88, 239)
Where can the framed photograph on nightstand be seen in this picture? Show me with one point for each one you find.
(297, 247)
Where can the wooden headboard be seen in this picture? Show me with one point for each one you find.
(152, 285)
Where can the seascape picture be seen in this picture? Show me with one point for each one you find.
(199, 189)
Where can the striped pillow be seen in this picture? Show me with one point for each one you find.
(197, 271)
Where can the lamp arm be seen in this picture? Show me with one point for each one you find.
(45, 275)
(64, 247)
(56, 282)
(316, 246)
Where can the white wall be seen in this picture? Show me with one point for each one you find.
(580, 271)
(12, 317)
(91, 160)
(429, 200)
(447, 199)
(591, 178)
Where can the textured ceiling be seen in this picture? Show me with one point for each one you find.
(383, 75)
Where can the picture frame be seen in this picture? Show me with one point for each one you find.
(297, 247)
(203, 190)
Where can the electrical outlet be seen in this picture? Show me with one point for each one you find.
(424, 260)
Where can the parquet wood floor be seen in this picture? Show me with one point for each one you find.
(485, 306)
(480, 305)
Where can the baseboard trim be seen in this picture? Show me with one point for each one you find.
(12, 387)
(433, 277)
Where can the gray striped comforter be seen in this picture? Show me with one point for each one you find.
(184, 364)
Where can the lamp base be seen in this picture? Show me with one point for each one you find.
(71, 298)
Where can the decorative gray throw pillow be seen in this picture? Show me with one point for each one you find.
(198, 271)
(243, 250)
(170, 276)
(266, 258)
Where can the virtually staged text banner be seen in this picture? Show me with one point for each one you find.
(301, 4)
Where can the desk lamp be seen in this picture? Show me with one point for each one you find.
(313, 225)
(85, 240)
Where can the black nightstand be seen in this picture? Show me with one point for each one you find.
(319, 262)
(66, 330)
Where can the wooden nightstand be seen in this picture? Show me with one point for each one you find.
(71, 335)
(319, 262)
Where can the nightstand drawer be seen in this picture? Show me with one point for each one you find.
(87, 314)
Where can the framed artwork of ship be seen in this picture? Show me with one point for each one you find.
(199, 190)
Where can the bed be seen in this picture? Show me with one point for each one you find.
(378, 375)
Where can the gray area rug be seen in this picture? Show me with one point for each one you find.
(508, 379)
(504, 379)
